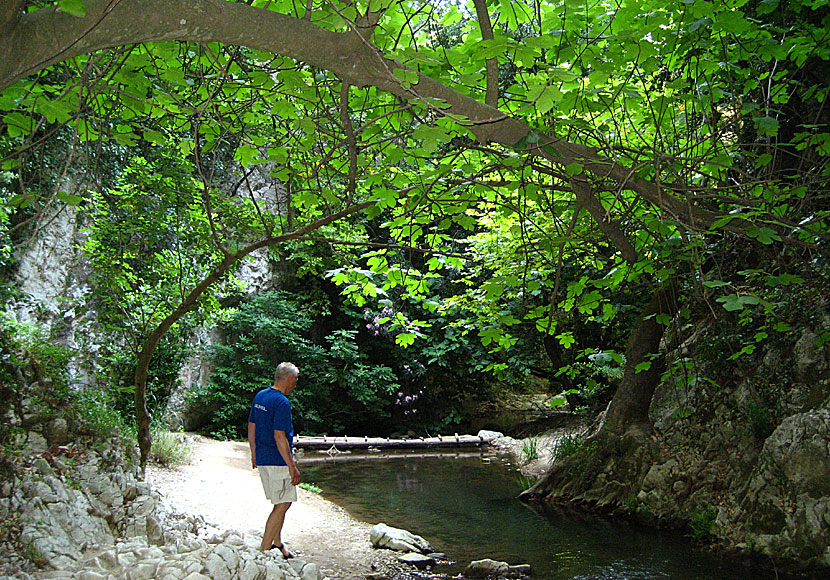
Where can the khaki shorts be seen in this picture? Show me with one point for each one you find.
(276, 481)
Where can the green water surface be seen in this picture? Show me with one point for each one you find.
(465, 505)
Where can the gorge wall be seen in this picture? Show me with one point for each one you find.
(722, 462)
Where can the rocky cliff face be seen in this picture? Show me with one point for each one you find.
(723, 463)
(52, 276)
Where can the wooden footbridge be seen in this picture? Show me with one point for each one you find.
(343, 443)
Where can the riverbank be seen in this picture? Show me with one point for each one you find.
(219, 485)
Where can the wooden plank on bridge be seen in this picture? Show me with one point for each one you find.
(386, 443)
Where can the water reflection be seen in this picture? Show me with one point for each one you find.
(467, 508)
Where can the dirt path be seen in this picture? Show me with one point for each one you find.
(219, 485)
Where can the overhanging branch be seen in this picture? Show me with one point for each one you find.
(46, 36)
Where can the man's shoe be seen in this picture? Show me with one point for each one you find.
(283, 550)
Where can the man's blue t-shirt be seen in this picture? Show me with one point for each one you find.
(270, 411)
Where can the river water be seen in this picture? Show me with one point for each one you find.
(465, 505)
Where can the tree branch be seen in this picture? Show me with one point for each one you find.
(585, 197)
(46, 36)
(351, 140)
(10, 12)
(491, 97)
(190, 301)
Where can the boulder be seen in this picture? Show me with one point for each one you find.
(490, 435)
(487, 568)
(383, 536)
(420, 561)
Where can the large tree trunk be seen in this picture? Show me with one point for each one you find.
(631, 401)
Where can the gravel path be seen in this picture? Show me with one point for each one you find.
(219, 485)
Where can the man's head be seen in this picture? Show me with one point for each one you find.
(285, 377)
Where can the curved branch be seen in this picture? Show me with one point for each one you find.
(190, 301)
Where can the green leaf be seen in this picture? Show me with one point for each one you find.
(56, 111)
(18, 124)
(154, 137)
(715, 283)
(557, 401)
(767, 6)
(734, 302)
(784, 280)
(405, 339)
(767, 126)
(574, 169)
(245, 154)
(763, 234)
(69, 199)
(663, 319)
(566, 339)
(75, 8)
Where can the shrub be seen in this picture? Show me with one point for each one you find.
(338, 388)
(169, 449)
(530, 450)
(702, 521)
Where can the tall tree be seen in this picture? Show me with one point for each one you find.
(670, 125)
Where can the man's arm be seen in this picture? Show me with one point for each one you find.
(285, 451)
(252, 442)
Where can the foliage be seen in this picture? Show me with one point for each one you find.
(702, 521)
(568, 445)
(582, 461)
(169, 449)
(442, 369)
(638, 144)
(30, 355)
(524, 482)
(760, 420)
(530, 451)
(148, 244)
(336, 388)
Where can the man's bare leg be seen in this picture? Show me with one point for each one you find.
(273, 527)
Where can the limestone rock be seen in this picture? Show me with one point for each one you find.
(383, 536)
(420, 561)
(489, 568)
(786, 504)
(486, 568)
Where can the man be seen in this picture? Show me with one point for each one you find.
(270, 435)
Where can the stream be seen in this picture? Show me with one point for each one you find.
(465, 505)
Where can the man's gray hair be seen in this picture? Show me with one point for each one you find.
(285, 369)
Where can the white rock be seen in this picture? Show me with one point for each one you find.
(251, 571)
(229, 555)
(383, 536)
(418, 560)
(216, 567)
(169, 571)
(490, 435)
(196, 576)
(310, 571)
(89, 575)
(487, 567)
(274, 572)
(142, 571)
